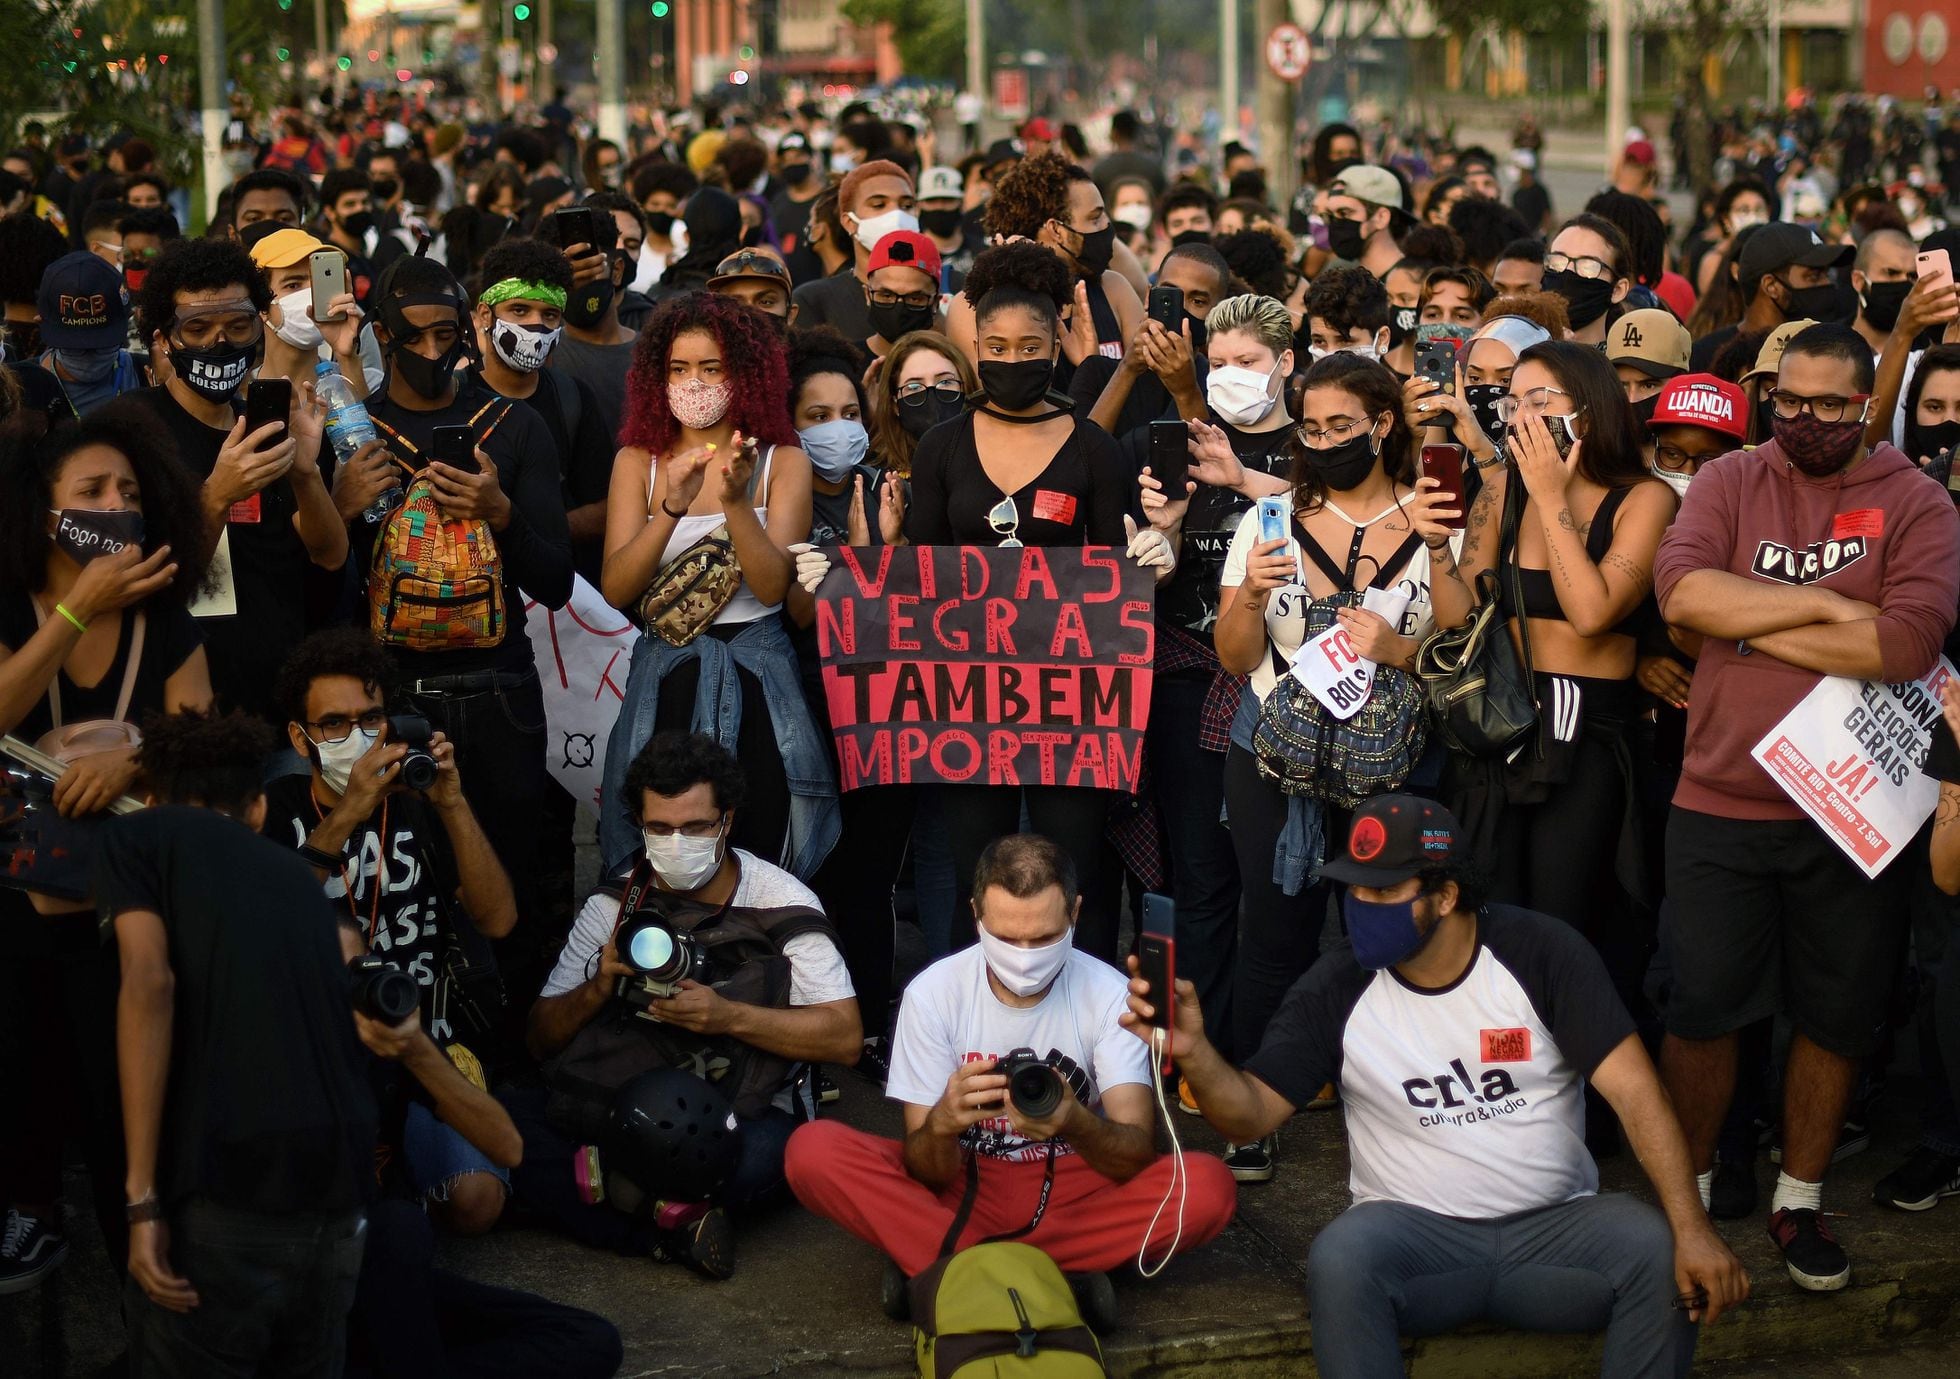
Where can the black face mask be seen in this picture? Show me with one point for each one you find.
(794, 174)
(1401, 325)
(587, 305)
(428, 378)
(1097, 246)
(919, 412)
(1345, 239)
(898, 319)
(1819, 303)
(1200, 333)
(83, 534)
(1183, 237)
(1882, 303)
(356, 224)
(214, 374)
(943, 224)
(1343, 467)
(661, 223)
(1018, 385)
(1643, 411)
(1482, 398)
(386, 187)
(1930, 442)
(1586, 299)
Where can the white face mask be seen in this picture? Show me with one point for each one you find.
(296, 326)
(1742, 220)
(682, 863)
(1678, 482)
(337, 758)
(1242, 397)
(522, 348)
(1367, 351)
(869, 232)
(1138, 217)
(1025, 971)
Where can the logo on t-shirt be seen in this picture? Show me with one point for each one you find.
(1507, 1045)
(1456, 1098)
(1789, 565)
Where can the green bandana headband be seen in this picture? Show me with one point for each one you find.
(512, 288)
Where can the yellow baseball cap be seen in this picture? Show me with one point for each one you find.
(284, 248)
(1770, 358)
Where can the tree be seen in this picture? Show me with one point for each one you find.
(930, 34)
(1467, 17)
(1697, 30)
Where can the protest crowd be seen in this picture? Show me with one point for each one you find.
(1476, 666)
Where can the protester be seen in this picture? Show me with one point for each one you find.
(597, 347)
(1784, 275)
(1590, 264)
(873, 200)
(757, 278)
(1367, 214)
(84, 313)
(901, 289)
(1647, 348)
(296, 344)
(923, 381)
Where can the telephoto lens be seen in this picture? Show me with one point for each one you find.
(1033, 1085)
(382, 991)
(651, 946)
(413, 732)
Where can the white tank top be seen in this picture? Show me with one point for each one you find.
(745, 606)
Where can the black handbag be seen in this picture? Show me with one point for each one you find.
(1483, 701)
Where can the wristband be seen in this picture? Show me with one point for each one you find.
(146, 1208)
(319, 857)
(62, 609)
(671, 513)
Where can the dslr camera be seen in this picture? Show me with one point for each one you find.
(382, 991)
(1034, 1084)
(413, 732)
(661, 955)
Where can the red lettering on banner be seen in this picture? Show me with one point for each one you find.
(1125, 761)
(1858, 522)
(968, 744)
(899, 617)
(1034, 568)
(955, 639)
(837, 627)
(912, 743)
(864, 763)
(1103, 559)
(1046, 743)
(848, 558)
(1001, 750)
(973, 562)
(1069, 627)
(1000, 617)
(1139, 615)
(1088, 761)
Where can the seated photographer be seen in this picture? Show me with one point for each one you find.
(386, 827)
(1080, 1179)
(409, 1317)
(700, 957)
(1474, 1195)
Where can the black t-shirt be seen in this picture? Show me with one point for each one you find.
(1534, 204)
(838, 302)
(1079, 499)
(170, 635)
(1190, 597)
(267, 1108)
(790, 217)
(269, 567)
(603, 369)
(585, 451)
(403, 881)
(536, 547)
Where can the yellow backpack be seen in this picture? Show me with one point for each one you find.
(1001, 1310)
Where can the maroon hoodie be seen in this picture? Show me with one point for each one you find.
(1884, 534)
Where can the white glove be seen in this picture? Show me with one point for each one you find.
(811, 565)
(1149, 548)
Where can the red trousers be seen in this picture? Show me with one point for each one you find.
(1092, 1223)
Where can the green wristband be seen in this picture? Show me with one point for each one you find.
(62, 609)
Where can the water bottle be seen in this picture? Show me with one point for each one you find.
(348, 429)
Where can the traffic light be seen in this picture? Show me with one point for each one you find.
(521, 13)
(661, 9)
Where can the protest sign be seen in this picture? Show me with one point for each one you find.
(1339, 676)
(583, 652)
(987, 665)
(1850, 754)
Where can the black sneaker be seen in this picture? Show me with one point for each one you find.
(1810, 1252)
(30, 1250)
(1095, 1298)
(1920, 1182)
(827, 1088)
(895, 1293)
(1253, 1163)
(875, 1061)
(1854, 1138)
(706, 1245)
(1733, 1195)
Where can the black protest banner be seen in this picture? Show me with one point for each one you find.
(987, 665)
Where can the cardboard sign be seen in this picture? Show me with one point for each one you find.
(985, 665)
(1850, 755)
(583, 650)
(1339, 676)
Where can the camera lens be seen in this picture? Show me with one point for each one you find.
(418, 770)
(651, 946)
(383, 991)
(1035, 1090)
(651, 949)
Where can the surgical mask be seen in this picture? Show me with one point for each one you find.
(835, 447)
(213, 374)
(83, 534)
(1818, 448)
(942, 224)
(522, 348)
(1930, 442)
(1096, 250)
(842, 163)
(919, 412)
(296, 325)
(1014, 386)
(698, 404)
(1742, 220)
(1383, 933)
(1341, 468)
(1881, 303)
(1673, 479)
(661, 223)
(1910, 208)
(869, 232)
(1586, 299)
(1025, 971)
(899, 319)
(336, 759)
(1481, 399)
(427, 378)
(1134, 216)
(1241, 397)
(683, 863)
(1401, 325)
(1345, 239)
(87, 366)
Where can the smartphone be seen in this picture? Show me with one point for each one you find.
(268, 400)
(1444, 464)
(1436, 361)
(1934, 263)
(1170, 456)
(1443, 330)
(576, 225)
(1272, 517)
(455, 446)
(329, 281)
(1157, 957)
(1166, 307)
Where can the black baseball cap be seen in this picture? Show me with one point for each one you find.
(1779, 245)
(1392, 838)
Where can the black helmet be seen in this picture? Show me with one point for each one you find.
(674, 1135)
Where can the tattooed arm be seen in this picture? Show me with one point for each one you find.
(1480, 532)
(1946, 839)
(1596, 597)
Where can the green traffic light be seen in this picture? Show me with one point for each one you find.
(521, 13)
(661, 9)
(345, 63)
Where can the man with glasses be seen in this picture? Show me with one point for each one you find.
(1785, 272)
(775, 999)
(412, 868)
(901, 289)
(203, 300)
(1807, 557)
(1696, 418)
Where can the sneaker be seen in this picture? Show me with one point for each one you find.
(1810, 1252)
(589, 1174)
(1326, 1099)
(30, 1250)
(1095, 1298)
(705, 1244)
(1920, 1182)
(827, 1088)
(1186, 1102)
(1252, 1163)
(895, 1293)
(1733, 1195)
(1854, 1138)
(875, 1062)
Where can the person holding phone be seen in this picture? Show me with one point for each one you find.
(296, 338)
(1467, 414)
(1360, 518)
(1162, 373)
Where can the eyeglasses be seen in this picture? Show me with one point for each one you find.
(1332, 435)
(1005, 518)
(1678, 461)
(1585, 265)
(200, 328)
(141, 255)
(1535, 400)
(335, 727)
(947, 388)
(1790, 406)
(697, 828)
(883, 297)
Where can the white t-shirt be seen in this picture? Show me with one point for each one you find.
(951, 1016)
(1286, 607)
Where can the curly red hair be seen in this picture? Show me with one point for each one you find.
(752, 355)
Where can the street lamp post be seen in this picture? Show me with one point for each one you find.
(211, 96)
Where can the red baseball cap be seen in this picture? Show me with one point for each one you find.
(1640, 151)
(1701, 399)
(906, 249)
(1039, 128)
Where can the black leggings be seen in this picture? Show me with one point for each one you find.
(1073, 817)
(856, 885)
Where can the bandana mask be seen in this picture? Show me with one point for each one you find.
(1818, 448)
(522, 348)
(698, 404)
(213, 374)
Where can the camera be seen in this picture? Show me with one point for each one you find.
(661, 956)
(1034, 1084)
(382, 991)
(413, 732)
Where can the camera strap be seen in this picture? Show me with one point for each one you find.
(972, 1195)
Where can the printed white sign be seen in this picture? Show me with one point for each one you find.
(583, 651)
(1330, 666)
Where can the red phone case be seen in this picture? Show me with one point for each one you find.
(1450, 475)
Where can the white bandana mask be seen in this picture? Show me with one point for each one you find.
(1025, 971)
(521, 348)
